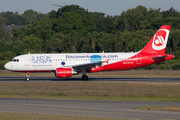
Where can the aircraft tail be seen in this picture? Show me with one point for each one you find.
(158, 42)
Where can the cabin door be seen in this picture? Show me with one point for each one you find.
(27, 60)
(138, 59)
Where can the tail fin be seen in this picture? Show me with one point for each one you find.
(158, 42)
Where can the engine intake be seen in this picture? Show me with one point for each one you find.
(64, 72)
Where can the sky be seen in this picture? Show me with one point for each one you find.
(109, 7)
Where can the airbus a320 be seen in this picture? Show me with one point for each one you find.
(65, 65)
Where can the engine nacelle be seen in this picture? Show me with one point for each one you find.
(64, 72)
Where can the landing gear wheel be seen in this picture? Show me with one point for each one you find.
(85, 77)
(27, 79)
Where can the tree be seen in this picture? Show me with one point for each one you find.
(30, 15)
(31, 43)
(70, 22)
(171, 13)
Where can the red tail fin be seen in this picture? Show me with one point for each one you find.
(158, 42)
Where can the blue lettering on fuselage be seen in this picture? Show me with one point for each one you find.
(87, 56)
(41, 59)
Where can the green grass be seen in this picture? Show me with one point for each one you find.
(31, 116)
(120, 91)
(163, 108)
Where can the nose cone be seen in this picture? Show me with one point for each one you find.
(7, 66)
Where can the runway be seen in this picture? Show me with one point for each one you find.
(105, 109)
(95, 79)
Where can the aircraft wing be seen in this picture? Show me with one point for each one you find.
(87, 65)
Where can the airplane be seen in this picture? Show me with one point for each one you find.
(65, 65)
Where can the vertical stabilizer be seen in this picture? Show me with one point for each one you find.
(158, 42)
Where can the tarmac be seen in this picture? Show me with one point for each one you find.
(92, 108)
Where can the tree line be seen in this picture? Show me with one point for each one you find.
(73, 29)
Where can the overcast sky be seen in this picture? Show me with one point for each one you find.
(109, 7)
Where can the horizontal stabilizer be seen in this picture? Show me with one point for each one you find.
(161, 56)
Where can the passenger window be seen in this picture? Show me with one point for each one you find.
(17, 60)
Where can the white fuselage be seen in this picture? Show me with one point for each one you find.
(49, 62)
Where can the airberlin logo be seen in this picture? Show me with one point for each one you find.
(160, 39)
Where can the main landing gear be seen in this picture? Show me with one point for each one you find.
(27, 76)
(84, 77)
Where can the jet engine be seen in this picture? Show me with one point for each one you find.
(65, 72)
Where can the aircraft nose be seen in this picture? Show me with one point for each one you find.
(7, 66)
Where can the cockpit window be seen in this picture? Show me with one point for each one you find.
(15, 60)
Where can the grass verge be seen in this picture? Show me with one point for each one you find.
(120, 91)
(163, 108)
(30, 116)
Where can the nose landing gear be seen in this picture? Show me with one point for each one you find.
(27, 76)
